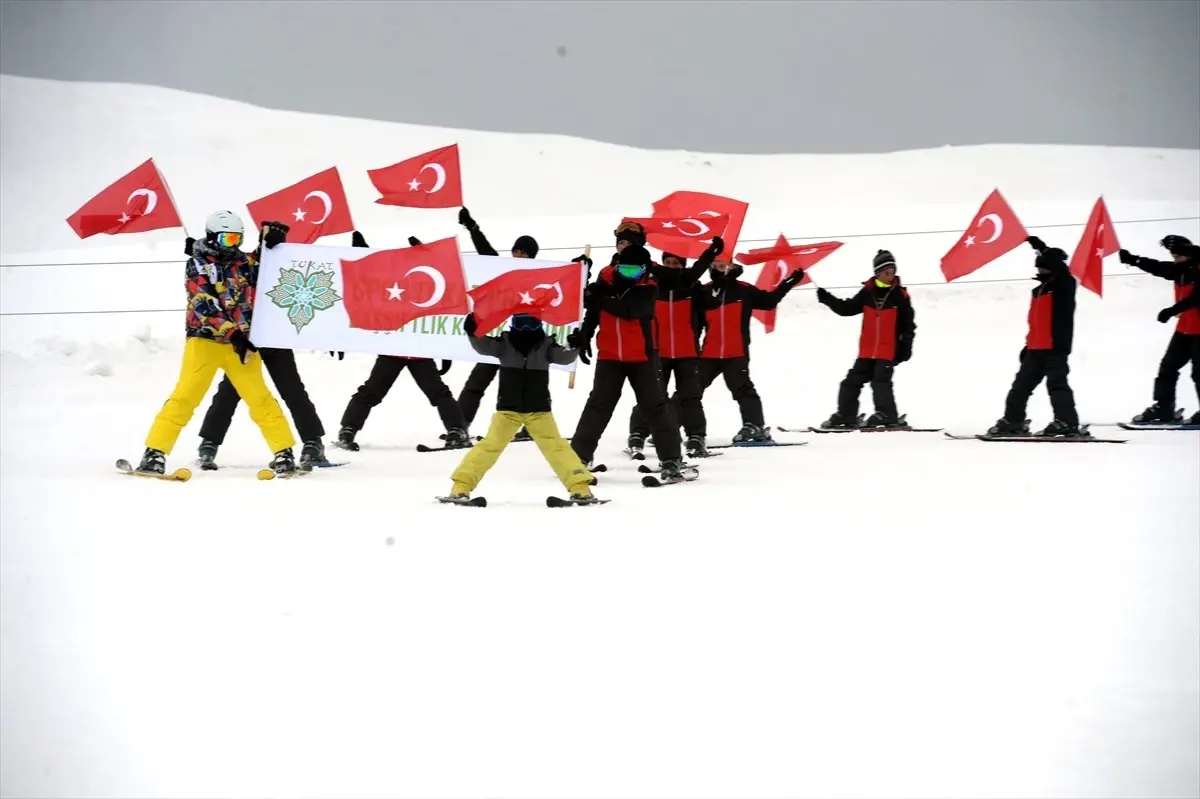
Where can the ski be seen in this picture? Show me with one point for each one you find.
(559, 502)
(1087, 439)
(687, 470)
(869, 430)
(425, 448)
(696, 456)
(271, 474)
(650, 481)
(1160, 426)
(599, 467)
(759, 444)
(180, 475)
(471, 502)
(211, 466)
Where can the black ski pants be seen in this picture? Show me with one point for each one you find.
(607, 383)
(476, 386)
(878, 373)
(383, 376)
(685, 402)
(736, 372)
(281, 366)
(1038, 365)
(1181, 349)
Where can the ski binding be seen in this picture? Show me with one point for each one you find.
(180, 475)
(470, 502)
(559, 502)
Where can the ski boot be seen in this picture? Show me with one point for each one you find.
(839, 422)
(1157, 414)
(313, 453)
(635, 446)
(883, 420)
(1062, 429)
(1194, 419)
(584, 499)
(752, 433)
(672, 470)
(206, 456)
(284, 462)
(153, 462)
(522, 435)
(1004, 427)
(696, 447)
(457, 438)
(345, 439)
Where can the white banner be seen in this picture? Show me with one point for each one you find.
(298, 306)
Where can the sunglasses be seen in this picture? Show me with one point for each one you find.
(631, 271)
(229, 240)
(526, 323)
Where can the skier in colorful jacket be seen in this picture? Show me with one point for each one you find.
(1184, 346)
(886, 341)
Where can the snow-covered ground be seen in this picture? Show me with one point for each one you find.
(897, 615)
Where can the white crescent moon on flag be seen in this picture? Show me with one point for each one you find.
(151, 199)
(439, 285)
(702, 228)
(709, 213)
(441, 176)
(997, 226)
(810, 251)
(783, 269)
(557, 293)
(323, 197)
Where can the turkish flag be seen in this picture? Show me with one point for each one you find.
(554, 295)
(135, 203)
(994, 231)
(312, 208)
(430, 180)
(695, 234)
(1098, 241)
(779, 262)
(697, 205)
(390, 288)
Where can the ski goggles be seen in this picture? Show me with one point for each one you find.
(526, 322)
(631, 271)
(229, 239)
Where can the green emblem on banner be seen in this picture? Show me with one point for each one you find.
(304, 291)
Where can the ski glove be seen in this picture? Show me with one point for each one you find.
(794, 278)
(445, 366)
(1036, 243)
(1128, 258)
(274, 233)
(903, 352)
(413, 241)
(188, 243)
(577, 342)
(241, 344)
(357, 240)
(717, 247)
(469, 324)
(1165, 315)
(464, 219)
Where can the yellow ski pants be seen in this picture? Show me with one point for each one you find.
(544, 431)
(201, 360)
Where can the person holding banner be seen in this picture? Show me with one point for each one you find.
(383, 376)
(525, 353)
(220, 286)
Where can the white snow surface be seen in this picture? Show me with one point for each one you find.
(869, 615)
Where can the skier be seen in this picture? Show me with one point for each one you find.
(678, 347)
(383, 376)
(281, 366)
(620, 306)
(725, 307)
(1184, 346)
(220, 284)
(482, 374)
(1047, 349)
(886, 341)
(523, 400)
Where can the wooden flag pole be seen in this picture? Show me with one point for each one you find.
(587, 253)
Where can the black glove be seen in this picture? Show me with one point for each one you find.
(413, 241)
(1176, 245)
(339, 355)
(717, 247)
(470, 325)
(188, 243)
(582, 345)
(583, 259)
(903, 351)
(1165, 314)
(445, 366)
(357, 240)
(464, 219)
(1036, 243)
(823, 296)
(241, 344)
(274, 233)
(793, 279)
(1128, 258)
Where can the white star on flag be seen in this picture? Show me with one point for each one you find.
(395, 291)
(1099, 252)
(526, 298)
(414, 184)
(299, 214)
(970, 241)
(125, 218)
(668, 224)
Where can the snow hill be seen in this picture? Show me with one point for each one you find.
(890, 615)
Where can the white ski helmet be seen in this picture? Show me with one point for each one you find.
(224, 222)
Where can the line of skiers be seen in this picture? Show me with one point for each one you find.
(651, 322)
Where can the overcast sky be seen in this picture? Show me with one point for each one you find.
(746, 77)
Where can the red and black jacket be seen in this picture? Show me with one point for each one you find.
(622, 311)
(676, 312)
(889, 324)
(1186, 276)
(1052, 312)
(724, 307)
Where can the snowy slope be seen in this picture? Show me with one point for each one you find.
(867, 615)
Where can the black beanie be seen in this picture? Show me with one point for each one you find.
(357, 240)
(1051, 258)
(680, 258)
(527, 245)
(883, 260)
(635, 255)
(631, 232)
